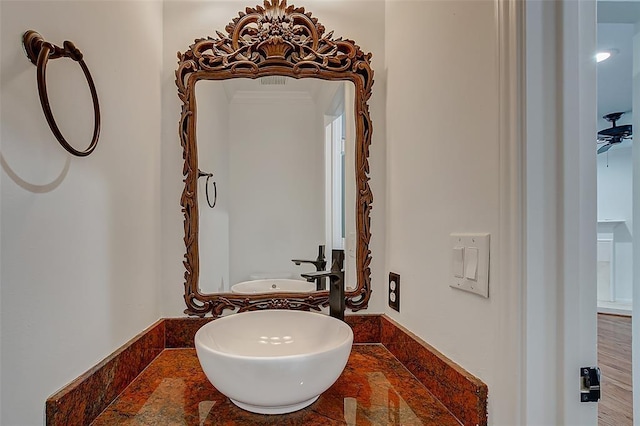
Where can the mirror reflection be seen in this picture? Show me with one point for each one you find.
(281, 153)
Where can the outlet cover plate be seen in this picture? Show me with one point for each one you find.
(481, 242)
(394, 291)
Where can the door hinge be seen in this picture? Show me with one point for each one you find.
(589, 384)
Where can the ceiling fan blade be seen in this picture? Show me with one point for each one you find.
(624, 131)
(604, 148)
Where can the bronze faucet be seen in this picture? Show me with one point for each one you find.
(336, 284)
(320, 263)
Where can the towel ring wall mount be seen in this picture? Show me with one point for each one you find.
(39, 52)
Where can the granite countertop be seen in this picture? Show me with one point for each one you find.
(374, 389)
(392, 378)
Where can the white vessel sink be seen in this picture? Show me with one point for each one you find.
(276, 285)
(273, 361)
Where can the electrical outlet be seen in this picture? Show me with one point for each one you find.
(394, 291)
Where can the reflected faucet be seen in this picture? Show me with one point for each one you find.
(336, 284)
(320, 263)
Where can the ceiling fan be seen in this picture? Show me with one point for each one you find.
(615, 134)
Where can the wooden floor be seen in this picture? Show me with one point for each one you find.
(614, 360)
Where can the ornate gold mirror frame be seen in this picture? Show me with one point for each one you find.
(264, 41)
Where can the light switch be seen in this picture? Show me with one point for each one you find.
(470, 256)
(471, 269)
(458, 262)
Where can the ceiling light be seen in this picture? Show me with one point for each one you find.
(605, 54)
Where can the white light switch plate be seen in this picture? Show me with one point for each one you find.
(481, 242)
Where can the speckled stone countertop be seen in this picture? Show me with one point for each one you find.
(392, 378)
(374, 389)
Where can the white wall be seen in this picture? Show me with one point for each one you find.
(276, 161)
(615, 201)
(185, 21)
(213, 157)
(80, 236)
(443, 162)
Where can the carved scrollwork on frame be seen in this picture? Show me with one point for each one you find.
(276, 39)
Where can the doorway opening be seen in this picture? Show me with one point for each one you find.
(615, 35)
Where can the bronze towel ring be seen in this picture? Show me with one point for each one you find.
(39, 52)
(206, 187)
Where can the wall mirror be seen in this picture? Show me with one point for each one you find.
(275, 130)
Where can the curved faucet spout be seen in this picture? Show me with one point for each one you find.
(319, 264)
